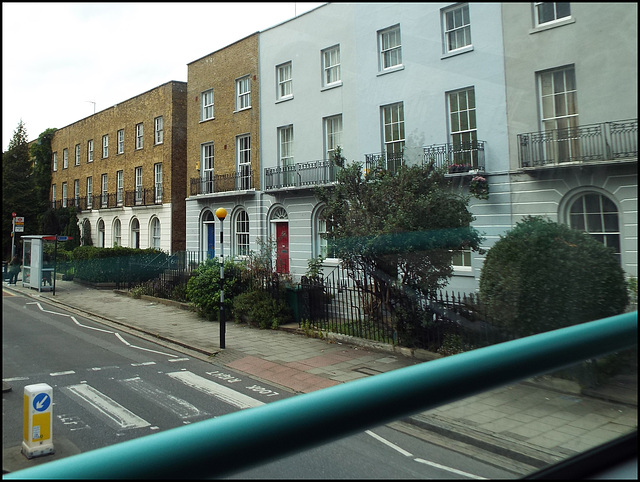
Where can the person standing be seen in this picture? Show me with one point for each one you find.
(14, 269)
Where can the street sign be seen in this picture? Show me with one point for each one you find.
(19, 229)
(20, 220)
(49, 238)
(64, 238)
(38, 420)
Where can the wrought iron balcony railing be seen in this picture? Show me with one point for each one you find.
(607, 141)
(456, 157)
(389, 162)
(302, 174)
(241, 180)
(141, 197)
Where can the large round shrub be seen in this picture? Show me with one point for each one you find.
(543, 276)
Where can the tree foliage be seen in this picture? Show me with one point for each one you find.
(399, 228)
(543, 276)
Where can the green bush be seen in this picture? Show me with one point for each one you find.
(543, 276)
(103, 265)
(203, 288)
(261, 309)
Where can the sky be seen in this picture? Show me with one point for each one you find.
(60, 61)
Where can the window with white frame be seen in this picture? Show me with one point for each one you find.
(243, 154)
(157, 174)
(461, 260)
(55, 161)
(284, 74)
(457, 27)
(597, 215)
(138, 178)
(393, 134)
(53, 196)
(90, 150)
(65, 158)
(119, 187)
(207, 167)
(77, 155)
(559, 110)
(206, 105)
(324, 245)
(155, 233)
(243, 93)
(158, 127)
(139, 136)
(76, 191)
(64, 194)
(242, 234)
(121, 141)
(285, 154)
(105, 146)
(462, 126)
(89, 192)
(101, 234)
(105, 191)
(135, 233)
(390, 48)
(546, 12)
(333, 134)
(117, 232)
(331, 66)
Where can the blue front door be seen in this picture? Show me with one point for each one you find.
(211, 240)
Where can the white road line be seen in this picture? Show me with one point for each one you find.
(392, 445)
(210, 387)
(114, 413)
(449, 469)
(178, 406)
(69, 372)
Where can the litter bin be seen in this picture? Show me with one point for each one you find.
(294, 300)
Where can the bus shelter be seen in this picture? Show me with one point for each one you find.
(37, 266)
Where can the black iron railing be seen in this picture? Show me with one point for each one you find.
(607, 141)
(241, 180)
(456, 158)
(302, 174)
(389, 162)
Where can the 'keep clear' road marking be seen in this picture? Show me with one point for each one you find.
(114, 413)
(210, 387)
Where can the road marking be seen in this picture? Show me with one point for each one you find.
(57, 374)
(389, 444)
(110, 410)
(210, 387)
(178, 406)
(449, 469)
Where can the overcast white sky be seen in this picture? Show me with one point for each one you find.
(56, 57)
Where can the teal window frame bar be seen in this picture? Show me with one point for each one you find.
(219, 447)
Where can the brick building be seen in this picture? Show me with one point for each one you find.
(124, 168)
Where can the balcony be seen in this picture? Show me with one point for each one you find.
(388, 162)
(300, 175)
(615, 141)
(140, 197)
(456, 158)
(241, 180)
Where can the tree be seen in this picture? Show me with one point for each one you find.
(398, 228)
(16, 187)
(40, 151)
(543, 276)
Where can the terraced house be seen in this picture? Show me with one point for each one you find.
(124, 168)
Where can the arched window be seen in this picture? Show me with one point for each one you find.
(597, 215)
(135, 233)
(242, 234)
(101, 234)
(117, 232)
(155, 233)
(208, 247)
(322, 245)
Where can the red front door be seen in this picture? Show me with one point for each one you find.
(282, 236)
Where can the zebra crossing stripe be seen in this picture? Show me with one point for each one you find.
(115, 414)
(221, 392)
(179, 407)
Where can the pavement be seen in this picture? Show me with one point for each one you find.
(520, 427)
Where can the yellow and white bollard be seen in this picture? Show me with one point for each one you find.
(38, 420)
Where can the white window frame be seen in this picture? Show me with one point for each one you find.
(556, 13)
(158, 127)
(461, 260)
(117, 232)
(390, 48)
(207, 161)
(105, 146)
(76, 191)
(55, 161)
(393, 123)
(64, 194)
(286, 160)
(53, 196)
(89, 192)
(456, 27)
(65, 158)
(331, 74)
(155, 232)
(206, 105)
(121, 141)
(463, 126)
(119, 187)
(102, 237)
(242, 234)
(243, 93)
(135, 233)
(332, 134)
(90, 150)
(157, 174)
(139, 136)
(105, 191)
(284, 81)
(138, 191)
(243, 161)
(77, 162)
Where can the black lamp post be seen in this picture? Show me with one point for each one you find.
(221, 213)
